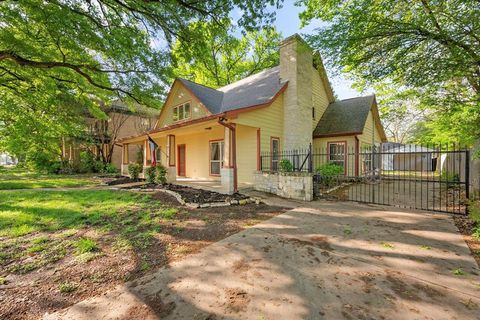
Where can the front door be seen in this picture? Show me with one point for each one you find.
(181, 160)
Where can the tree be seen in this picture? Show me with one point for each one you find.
(219, 57)
(400, 112)
(430, 46)
(57, 55)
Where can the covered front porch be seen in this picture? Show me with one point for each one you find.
(202, 155)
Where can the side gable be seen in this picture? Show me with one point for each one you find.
(373, 129)
(180, 94)
(318, 65)
(350, 117)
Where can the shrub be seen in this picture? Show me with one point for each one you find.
(328, 173)
(110, 168)
(87, 162)
(150, 174)
(134, 170)
(99, 166)
(286, 166)
(161, 177)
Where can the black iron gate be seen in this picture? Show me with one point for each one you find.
(434, 178)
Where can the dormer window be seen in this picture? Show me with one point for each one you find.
(181, 112)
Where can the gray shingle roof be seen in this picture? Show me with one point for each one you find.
(344, 117)
(256, 89)
(211, 98)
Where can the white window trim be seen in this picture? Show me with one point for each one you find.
(182, 106)
(210, 161)
(330, 160)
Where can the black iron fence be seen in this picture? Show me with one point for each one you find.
(429, 177)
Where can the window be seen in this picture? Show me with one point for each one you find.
(275, 151)
(216, 157)
(367, 158)
(313, 113)
(337, 153)
(181, 112)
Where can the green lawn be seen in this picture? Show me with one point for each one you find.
(41, 227)
(26, 212)
(17, 178)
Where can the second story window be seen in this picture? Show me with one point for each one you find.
(181, 112)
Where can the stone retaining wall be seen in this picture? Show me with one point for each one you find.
(292, 185)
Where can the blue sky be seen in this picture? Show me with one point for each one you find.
(288, 23)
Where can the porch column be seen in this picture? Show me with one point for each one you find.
(125, 160)
(146, 155)
(171, 162)
(227, 172)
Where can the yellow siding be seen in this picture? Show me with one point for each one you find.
(319, 96)
(197, 152)
(268, 119)
(179, 96)
(370, 132)
(320, 151)
(246, 153)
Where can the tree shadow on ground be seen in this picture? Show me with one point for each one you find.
(332, 260)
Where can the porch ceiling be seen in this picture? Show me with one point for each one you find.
(187, 130)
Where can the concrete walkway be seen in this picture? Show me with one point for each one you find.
(330, 260)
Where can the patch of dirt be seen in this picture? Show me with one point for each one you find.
(122, 180)
(401, 289)
(237, 299)
(466, 225)
(368, 280)
(30, 295)
(315, 241)
(193, 195)
(153, 308)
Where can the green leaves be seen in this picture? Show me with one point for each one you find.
(59, 58)
(217, 57)
(431, 47)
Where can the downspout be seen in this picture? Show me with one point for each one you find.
(234, 150)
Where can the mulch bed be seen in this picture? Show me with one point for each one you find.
(123, 180)
(466, 225)
(193, 195)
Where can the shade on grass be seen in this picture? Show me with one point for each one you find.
(25, 212)
(18, 178)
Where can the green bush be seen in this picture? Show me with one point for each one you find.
(150, 174)
(134, 170)
(161, 177)
(286, 166)
(110, 168)
(329, 172)
(87, 162)
(43, 162)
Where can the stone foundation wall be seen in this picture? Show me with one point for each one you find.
(290, 185)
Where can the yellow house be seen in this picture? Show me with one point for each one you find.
(219, 135)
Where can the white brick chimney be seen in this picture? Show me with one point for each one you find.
(296, 61)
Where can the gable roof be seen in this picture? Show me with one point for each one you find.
(344, 117)
(254, 90)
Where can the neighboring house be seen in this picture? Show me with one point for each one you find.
(409, 157)
(219, 134)
(101, 134)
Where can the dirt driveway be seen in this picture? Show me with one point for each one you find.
(331, 260)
